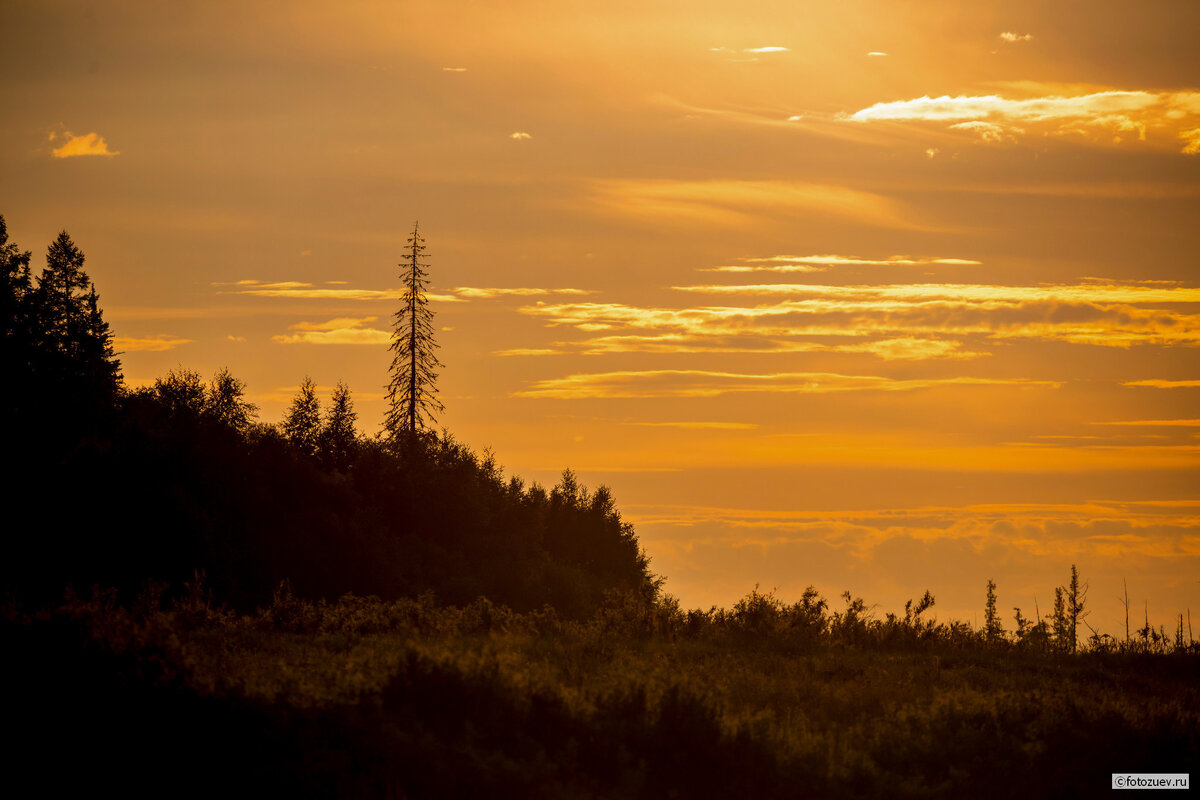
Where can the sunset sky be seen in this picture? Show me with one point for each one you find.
(871, 294)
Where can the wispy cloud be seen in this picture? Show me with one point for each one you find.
(752, 52)
(995, 119)
(901, 320)
(528, 351)
(818, 263)
(1083, 292)
(480, 293)
(154, 344)
(1154, 423)
(696, 426)
(877, 54)
(988, 131)
(519, 136)
(737, 204)
(309, 291)
(1009, 36)
(1156, 383)
(304, 290)
(342, 330)
(90, 144)
(1191, 141)
(1037, 109)
(454, 69)
(910, 348)
(706, 383)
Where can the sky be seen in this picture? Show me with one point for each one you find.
(870, 295)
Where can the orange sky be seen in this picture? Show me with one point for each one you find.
(869, 295)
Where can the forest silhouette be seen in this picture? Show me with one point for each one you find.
(307, 610)
(118, 486)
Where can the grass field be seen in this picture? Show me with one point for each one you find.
(363, 698)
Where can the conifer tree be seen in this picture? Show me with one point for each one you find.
(96, 348)
(993, 630)
(1061, 626)
(62, 289)
(412, 393)
(303, 424)
(74, 342)
(339, 437)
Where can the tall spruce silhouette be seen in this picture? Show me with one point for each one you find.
(339, 439)
(412, 393)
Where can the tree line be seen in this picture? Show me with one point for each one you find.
(119, 485)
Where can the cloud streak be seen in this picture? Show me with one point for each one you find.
(697, 426)
(995, 119)
(678, 383)
(901, 320)
(819, 263)
(481, 293)
(342, 330)
(308, 291)
(1156, 383)
(745, 203)
(151, 344)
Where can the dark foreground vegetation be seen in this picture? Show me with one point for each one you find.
(367, 698)
(294, 610)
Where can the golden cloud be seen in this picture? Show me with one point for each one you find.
(342, 330)
(905, 320)
(1037, 109)
(527, 351)
(887, 349)
(818, 263)
(1175, 423)
(1075, 293)
(473, 292)
(706, 383)
(91, 144)
(153, 344)
(1156, 383)
(996, 118)
(308, 291)
(691, 426)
